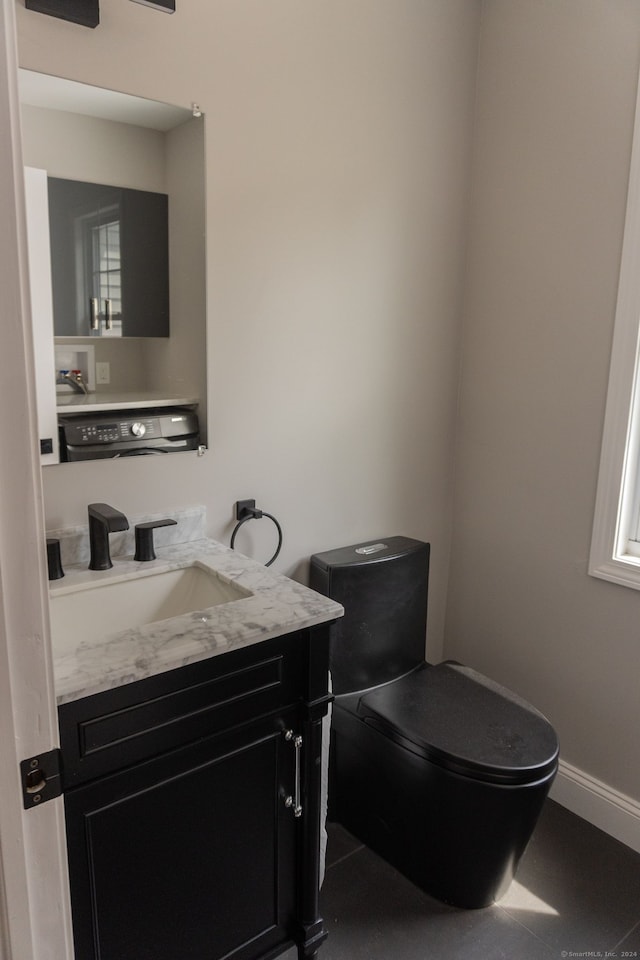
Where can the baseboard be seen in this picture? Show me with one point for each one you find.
(607, 809)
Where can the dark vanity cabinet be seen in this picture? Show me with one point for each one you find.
(109, 260)
(192, 804)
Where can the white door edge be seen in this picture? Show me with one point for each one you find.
(34, 895)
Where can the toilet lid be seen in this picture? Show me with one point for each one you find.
(465, 722)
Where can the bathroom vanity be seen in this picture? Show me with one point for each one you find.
(192, 757)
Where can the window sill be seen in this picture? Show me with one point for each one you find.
(622, 570)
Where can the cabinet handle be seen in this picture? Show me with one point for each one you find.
(94, 314)
(108, 313)
(294, 802)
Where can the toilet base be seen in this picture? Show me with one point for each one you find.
(458, 839)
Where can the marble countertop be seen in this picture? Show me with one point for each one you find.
(275, 606)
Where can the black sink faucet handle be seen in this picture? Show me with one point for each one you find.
(54, 563)
(144, 538)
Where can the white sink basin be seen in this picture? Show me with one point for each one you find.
(89, 612)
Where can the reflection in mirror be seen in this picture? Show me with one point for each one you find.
(109, 260)
(136, 148)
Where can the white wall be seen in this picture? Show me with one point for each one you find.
(338, 147)
(78, 147)
(556, 97)
(179, 364)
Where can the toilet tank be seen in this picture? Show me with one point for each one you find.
(382, 585)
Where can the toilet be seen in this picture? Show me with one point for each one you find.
(438, 769)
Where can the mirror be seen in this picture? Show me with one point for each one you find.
(139, 149)
(109, 260)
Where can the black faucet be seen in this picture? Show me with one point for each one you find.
(103, 520)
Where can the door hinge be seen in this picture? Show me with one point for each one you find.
(41, 778)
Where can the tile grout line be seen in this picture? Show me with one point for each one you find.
(344, 857)
(627, 934)
(506, 913)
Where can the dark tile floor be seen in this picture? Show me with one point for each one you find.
(576, 894)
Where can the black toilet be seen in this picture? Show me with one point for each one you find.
(437, 768)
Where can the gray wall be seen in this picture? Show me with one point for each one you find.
(556, 101)
(338, 141)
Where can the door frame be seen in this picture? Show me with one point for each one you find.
(35, 915)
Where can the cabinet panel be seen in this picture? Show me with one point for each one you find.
(145, 264)
(115, 729)
(189, 855)
(109, 260)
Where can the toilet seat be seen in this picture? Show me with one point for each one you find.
(464, 722)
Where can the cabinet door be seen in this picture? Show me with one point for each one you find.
(75, 212)
(189, 855)
(109, 260)
(145, 264)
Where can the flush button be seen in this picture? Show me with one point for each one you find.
(371, 548)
